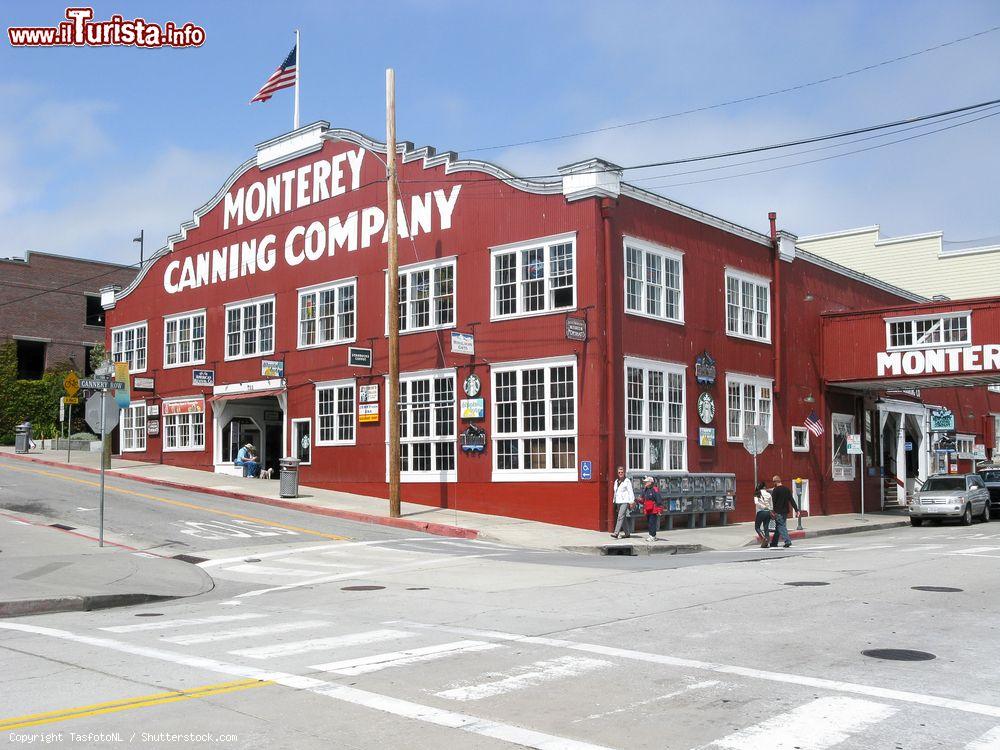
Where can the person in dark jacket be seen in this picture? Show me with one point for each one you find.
(652, 506)
(781, 501)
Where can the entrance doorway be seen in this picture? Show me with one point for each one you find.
(248, 418)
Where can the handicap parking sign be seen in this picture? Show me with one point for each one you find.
(585, 469)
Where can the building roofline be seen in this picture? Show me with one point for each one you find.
(864, 278)
(841, 233)
(28, 254)
(928, 307)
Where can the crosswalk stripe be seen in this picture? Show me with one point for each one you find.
(989, 741)
(265, 570)
(346, 546)
(817, 725)
(167, 624)
(974, 550)
(225, 635)
(367, 664)
(320, 644)
(544, 671)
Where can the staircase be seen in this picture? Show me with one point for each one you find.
(892, 494)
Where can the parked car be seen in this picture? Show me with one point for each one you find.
(951, 496)
(991, 478)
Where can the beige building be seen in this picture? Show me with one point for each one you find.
(918, 263)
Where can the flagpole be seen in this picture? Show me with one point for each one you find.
(298, 67)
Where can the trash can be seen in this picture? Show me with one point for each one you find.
(289, 484)
(22, 438)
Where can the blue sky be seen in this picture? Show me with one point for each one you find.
(96, 143)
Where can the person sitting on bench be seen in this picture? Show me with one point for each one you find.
(247, 458)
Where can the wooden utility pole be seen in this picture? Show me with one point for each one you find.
(392, 303)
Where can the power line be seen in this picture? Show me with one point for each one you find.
(740, 100)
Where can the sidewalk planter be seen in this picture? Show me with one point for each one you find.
(76, 445)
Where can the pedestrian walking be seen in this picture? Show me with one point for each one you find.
(761, 522)
(623, 500)
(781, 501)
(652, 506)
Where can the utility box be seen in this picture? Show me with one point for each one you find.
(289, 478)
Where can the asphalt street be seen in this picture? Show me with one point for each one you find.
(326, 633)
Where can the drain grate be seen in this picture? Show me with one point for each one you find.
(362, 588)
(418, 588)
(618, 549)
(942, 589)
(193, 559)
(898, 654)
(62, 526)
(149, 614)
(807, 583)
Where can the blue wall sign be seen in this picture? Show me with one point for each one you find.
(586, 470)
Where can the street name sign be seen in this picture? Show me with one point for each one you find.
(99, 385)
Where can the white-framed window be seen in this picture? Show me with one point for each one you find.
(134, 427)
(996, 437)
(748, 404)
(336, 413)
(328, 313)
(534, 420)
(302, 440)
(183, 424)
(963, 445)
(800, 440)
(655, 423)
(748, 306)
(533, 278)
(128, 344)
(250, 328)
(427, 296)
(428, 433)
(184, 339)
(654, 281)
(926, 331)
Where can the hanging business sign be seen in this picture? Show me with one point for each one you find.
(472, 385)
(368, 394)
(184, 406)
(706, 408)
(272, 368)
(203, 377)
(142, 384)
(367, 413)
(576, 329)
(942, 420)
(153, 410)
(473, 408)
(152, 427)
(358, 357)
(706, 437)
(704, 369)
(473, 439)
(463, 343)
(854, 445)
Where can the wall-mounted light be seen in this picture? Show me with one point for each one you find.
(808, 298)
(809, 399)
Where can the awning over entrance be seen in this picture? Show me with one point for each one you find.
(247, 394)
(934, 344)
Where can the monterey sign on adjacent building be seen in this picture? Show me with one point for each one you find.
(979, 358)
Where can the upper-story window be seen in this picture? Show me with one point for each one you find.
(184, 339)
(534, 278)
(335, 412)
(953, 329)
(327, 313)
(654, 282)
(128, 344)
(427, 296)
(95, 311)
(748, 306)
(250, 328)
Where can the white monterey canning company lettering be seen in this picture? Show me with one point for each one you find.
(979, 358)
(293, 189)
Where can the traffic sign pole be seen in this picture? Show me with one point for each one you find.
(69, 429)
(104, 436)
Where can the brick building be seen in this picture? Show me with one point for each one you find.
(51, 306)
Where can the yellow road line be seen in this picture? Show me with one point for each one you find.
(125, 704)
(179, 503)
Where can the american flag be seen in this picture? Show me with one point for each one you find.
(282, 78)
(814, 424)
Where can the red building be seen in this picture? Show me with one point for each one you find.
(583, 300)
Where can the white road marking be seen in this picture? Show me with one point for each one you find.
(973, 551)
(367, 664)
(535, 674)
(869, 691)
(394, 706)
(294, 551)
(634, 705)
(454, 559)
(817, 725)
(265, 570)
(989, 741)
(225, 635)
(321, 564)
(167, 624)
(320, 644)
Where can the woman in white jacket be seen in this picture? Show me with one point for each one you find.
(762, 500)
(623, 497)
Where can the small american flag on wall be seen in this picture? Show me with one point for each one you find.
(814, 424)
(282, 78)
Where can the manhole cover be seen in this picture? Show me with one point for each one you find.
(251, 559)
(362, 588)
(807, 583)
(945, 589)
(150, 614)
(898, 654)
(418, 588)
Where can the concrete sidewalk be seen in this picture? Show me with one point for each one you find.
(50, 570)
(452, 522)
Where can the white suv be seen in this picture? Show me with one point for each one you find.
(951, 496)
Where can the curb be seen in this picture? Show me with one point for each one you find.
(437, 529)
(25, 607)
(634, 550)
(807, 534)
